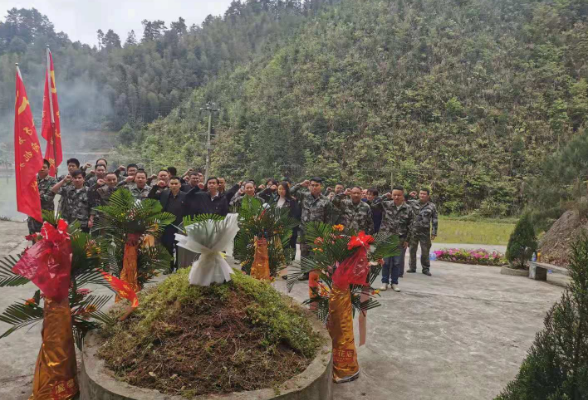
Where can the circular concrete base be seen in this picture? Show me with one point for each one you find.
(514, 272)
(315, 383)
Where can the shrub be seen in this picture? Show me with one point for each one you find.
(522, 243)
(556, 366)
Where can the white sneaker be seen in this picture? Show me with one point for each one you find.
(384, 287)
(395, 288)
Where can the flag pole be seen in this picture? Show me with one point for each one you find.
(50, 82)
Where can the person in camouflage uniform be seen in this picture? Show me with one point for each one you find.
(100, 195)
(425, 216)
(139, 188)
(315, 208)
(246, 198)
(76, 197)
(44, 184)
(98, 174)
(73, 164)
(337, 216)
(356, 215)
(397, 220)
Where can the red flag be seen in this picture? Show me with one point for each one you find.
(28, 159)
(51, 129)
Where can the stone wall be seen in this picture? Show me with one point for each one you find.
(315, 383)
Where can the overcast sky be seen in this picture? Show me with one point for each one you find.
(80, 19)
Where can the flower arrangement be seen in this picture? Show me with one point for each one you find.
(332, 252)
(126, 223)
(476, 257)
(262, 221)
(342, 268)
(85, 269)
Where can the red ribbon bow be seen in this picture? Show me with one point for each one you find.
(48, 262)
(361, 240)
(355, 269)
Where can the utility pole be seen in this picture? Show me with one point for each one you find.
(211, 108)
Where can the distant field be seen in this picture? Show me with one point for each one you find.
(483, 231)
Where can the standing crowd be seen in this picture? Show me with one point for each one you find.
(83, 189)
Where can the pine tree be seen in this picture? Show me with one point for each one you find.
(131, 39)
(557, 364)
(522, 243)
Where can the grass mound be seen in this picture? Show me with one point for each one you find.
(189, 340)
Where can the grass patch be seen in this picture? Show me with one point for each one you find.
(474, 231)
(190, 340)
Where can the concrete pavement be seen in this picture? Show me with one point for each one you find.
(460, 334)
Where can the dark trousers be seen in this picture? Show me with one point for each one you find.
(168, 240)
(393, 266)
(293, 241)
(34, 225)
(305, 252)
(424, 239)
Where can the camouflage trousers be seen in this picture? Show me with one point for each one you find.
(424, 239)
(305, 249)
(34, 225)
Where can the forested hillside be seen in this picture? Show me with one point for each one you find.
(145, 76)
(24, 35)
(467, 96)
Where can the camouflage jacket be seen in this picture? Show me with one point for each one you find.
(137, 193)
(91, 181)
(356, 217)
(62, 203)
(47, 196)
(425, 215)
(77, 203)
(155, 191)
(100, 196)
(313, 208)
(397, 220)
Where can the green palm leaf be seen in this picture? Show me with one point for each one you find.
(386, 246)
(20, 315)
(7, 277)
(191, 220)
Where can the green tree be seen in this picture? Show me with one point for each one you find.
(556, 366)
(522, 243)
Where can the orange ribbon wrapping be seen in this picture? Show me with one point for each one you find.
(340, 325)
(260, 267)
(313, 288)
(48, 265)
(56, 368)
(129, 273)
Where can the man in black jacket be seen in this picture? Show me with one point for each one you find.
(173, 201)
(192, 182)
(210, 201)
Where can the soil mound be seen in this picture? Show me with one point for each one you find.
(189, 340)
(555, 245)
